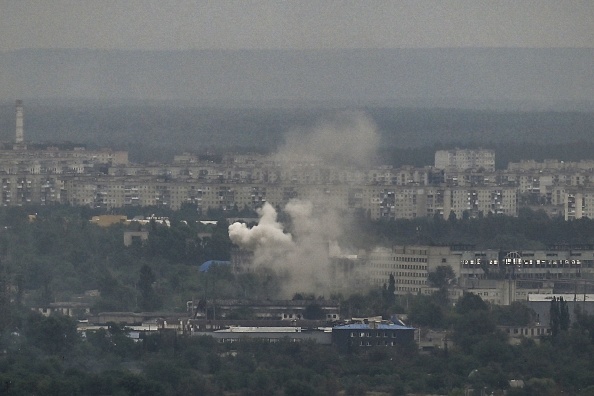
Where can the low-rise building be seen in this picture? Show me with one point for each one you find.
(534, 332)
(286, 310)
(269, 334)
(66, 308)
(541, 304)
(355, 337)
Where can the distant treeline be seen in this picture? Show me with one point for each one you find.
(408, 136)
(530, 230)
(505, 152)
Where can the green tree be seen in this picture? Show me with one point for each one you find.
(298, 388)
(425, 312)
(54, 334)
(5, 305)
(515, 314)
(452, 217)
(391, 285)
(149, 300)
(314, 312)
(470, 302)
(472, 327)
(554, 317)
(441, 277)
(584, 323)
(388, 291)
(563, 315)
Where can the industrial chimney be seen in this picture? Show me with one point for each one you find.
(20, 134)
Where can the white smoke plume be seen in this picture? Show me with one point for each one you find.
(348, 138)
(268, 231)
(267, 240)
(303, 247)
(302, 254)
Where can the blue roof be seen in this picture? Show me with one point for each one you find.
(207, 264)
(379, 326)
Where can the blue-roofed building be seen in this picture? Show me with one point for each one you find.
(207, 264)
(352, 337)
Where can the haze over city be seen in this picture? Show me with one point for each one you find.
(303, 24)
(503, 54)
(297, 197)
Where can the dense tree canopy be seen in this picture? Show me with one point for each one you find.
(61, 254)
(48, 356)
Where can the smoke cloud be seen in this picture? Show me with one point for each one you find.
(267, 232)
(304, 247)
(303, 254)
(350, 138)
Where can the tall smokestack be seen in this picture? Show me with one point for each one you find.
(20, 134)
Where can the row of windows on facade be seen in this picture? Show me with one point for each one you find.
(531, 331)
(525, 263)
(376, 343)
(401, 266)
(403, 282)
(408, 289)
(298, 316)
(398, 275)
(376, 334)
(399, 258)
(270, 340)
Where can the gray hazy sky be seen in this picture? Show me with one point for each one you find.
(299, 24)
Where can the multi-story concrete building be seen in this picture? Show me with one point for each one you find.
(577, 202)
(405, 195)
(465, 159)
(499, 277)
(479, 201)
(550, 165)
(27, 189)
(410, 266)
(464, 182)
(528, 265)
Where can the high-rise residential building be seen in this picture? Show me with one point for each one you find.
(465, 159)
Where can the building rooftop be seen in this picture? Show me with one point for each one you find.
(237, 329)
(204, 267)
(379, 326)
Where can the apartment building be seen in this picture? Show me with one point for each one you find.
(577, 202)
(473, 202)
(378, 202)
(498, 277)
(550, 165)
(465, 159)
(54, 160)
(468, 186)
(27, 189)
